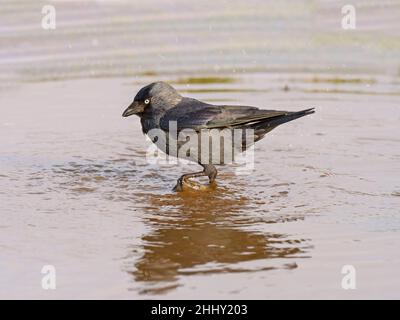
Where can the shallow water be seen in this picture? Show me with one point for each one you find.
(77, 192)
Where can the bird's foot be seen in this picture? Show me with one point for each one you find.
(179, 185)
(189, 185)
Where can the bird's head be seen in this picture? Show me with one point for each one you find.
(157, 95)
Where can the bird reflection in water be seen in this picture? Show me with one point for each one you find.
(207, 232)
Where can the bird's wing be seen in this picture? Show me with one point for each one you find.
(233, 116)
(189, 114)
(197, 115)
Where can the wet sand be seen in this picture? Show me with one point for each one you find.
(76, 191)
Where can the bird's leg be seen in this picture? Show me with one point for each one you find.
(209, 170)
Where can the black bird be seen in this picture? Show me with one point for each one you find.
(159, 103)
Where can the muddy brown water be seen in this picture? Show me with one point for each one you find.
(77, 191)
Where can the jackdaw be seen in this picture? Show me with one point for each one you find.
(159, 105)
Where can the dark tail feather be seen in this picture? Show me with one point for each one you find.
(276, 121)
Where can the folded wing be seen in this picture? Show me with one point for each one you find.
(197, 115)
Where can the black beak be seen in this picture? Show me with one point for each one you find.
(134, 108)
